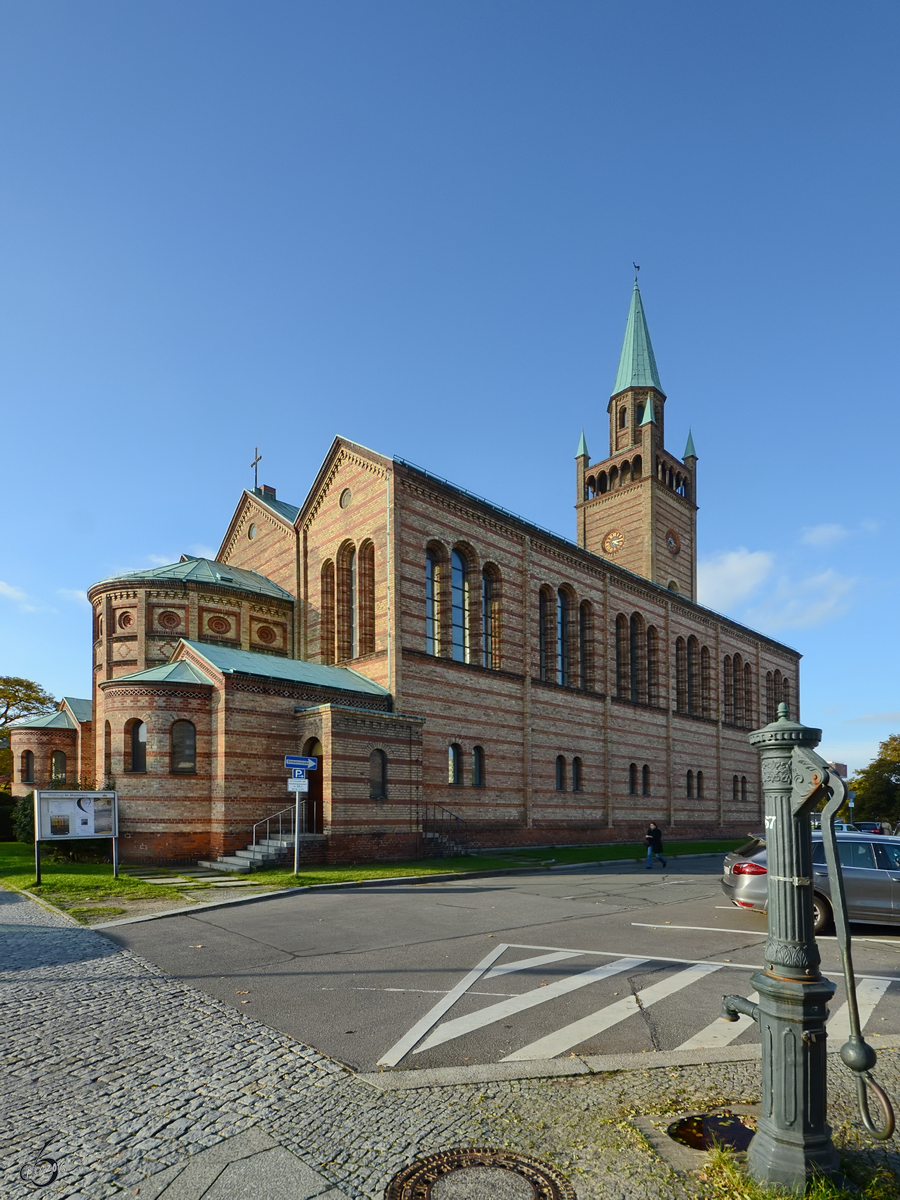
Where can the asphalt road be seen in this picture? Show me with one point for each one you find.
(606, 960)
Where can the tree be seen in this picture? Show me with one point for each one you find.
(877, 786)
(18, 698)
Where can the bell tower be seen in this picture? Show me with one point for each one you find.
(638, 506)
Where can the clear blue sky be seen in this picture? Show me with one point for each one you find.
(233, 224)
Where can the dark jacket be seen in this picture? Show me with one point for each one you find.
(655, 836)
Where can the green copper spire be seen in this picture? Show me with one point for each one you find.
(649, 417)
(689, 451)
(637, 366)
(582, 447)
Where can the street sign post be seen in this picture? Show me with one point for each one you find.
(298, 772)
(298, 785)
(298, 765)
(300, 760)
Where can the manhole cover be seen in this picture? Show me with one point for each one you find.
(481, 1174)
(703, 1132)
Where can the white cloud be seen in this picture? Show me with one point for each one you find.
(727, 579)
(76, 595)
(824, 535)
(876, 719)
(12, 593)
(797, 605)
(163, 560)
(202, 551)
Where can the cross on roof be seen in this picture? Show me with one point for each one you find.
(254, 465)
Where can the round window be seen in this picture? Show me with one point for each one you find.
(219, 625)
(266, 634)
(169, 619)
(126, 620)
(346, 497)
(251, 532)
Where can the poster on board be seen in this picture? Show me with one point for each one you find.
(67, 815)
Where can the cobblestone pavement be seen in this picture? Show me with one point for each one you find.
(136, 1084)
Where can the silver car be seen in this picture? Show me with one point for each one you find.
(870, 867)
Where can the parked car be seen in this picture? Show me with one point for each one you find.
(839, 826)
(870, 867)
(874, 827)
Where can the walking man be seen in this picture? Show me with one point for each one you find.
(653, 841)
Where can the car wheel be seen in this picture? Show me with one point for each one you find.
(821, 913)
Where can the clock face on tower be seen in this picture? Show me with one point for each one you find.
(673, 542)
(613, 542)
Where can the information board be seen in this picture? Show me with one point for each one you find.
(64, 816)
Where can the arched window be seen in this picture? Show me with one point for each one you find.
(623, 417)
(27, 767)
(459, 606)
(690, 784)
(639, 412)
(743, 787)
(560, 773)
(477, 766)
(770, 697)
(637, 467)
(577, 775)
(184, 748)
(624, 473)
(585, 645)
(735, 788)
(326, 610)
(454, 765)
(347, 599)
(700, 785)
(378, 775)
(652, 665)
(58, 766)
(705, 683)
(623, 669)
(738, 689)
(432, 603)
(680, 675)
(490, 617)
(786, 693)
(693, 675)
(562, 638)
(613, 478)
(602, 484)
(749, 707)
(645, 780)
(728, 687)
(545, 620)
(632, 779)
(367, 598)
(637, 651)
(135, 746)
(107, 751)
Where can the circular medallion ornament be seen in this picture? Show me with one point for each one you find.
(126, 620)
(169, 619)
(673, 542)
(266, 634)
(251, 532)
(460, 1174)
(346, 497)
(613, 542)
(219, 625)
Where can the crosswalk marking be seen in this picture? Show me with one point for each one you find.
(720, 1032)
(516, 1004)
(406, 1043)
(539, 960)
(868, 993)
(579, 1031)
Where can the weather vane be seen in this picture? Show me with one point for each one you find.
(636, 269)
(254, 465)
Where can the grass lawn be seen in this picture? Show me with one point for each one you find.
(72, 886)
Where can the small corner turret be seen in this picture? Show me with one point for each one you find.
(637, 507)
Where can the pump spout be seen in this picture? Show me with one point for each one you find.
(733, 1006)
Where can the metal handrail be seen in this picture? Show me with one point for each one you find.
(280, 818)
(447, 830)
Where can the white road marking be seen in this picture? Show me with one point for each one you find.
(401, 1049)
(722, 929)
(579, 1031)
(517, 1004)
(421, 991)
(868, 993)
(523, 964)
(720, 1032)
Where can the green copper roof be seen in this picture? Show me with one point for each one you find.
(172, 672)
(649, 417)
(582, 447)
(295, 670)
(54, 720)
(288, 511)
(208, 571)
(81, 709)
(637, 365)
(689, 451)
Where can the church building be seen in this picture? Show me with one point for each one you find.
(462, 676)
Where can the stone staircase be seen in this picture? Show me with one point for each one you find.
(268, 852)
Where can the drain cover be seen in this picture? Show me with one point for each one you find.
(481, 1174)
(703, 1131)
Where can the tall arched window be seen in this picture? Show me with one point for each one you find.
(623, 668)
(459, 606)
(652, 665)
(645, 780)
(366, 573)
(705, 683)
(637, 652)
(632, 779)
(738, 689)
(693, 675)
(432, 604)
(743, 787)
(690, 784)
(700, 785)
(27, 766)
(770, 697)
(378, 775)
(749, 706)
(786, 693)
(735, 788)
(183, 748)
(562, 638)
(347, 599)
(560, 773)
(545, 618)
(585, 645)
(577, 775)
(454, 765)
(58, 766)
(477, 766)
(681, 678)
(490, 618)
(135, 746)
(326, 611)
(728, 687)
(107, 751)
